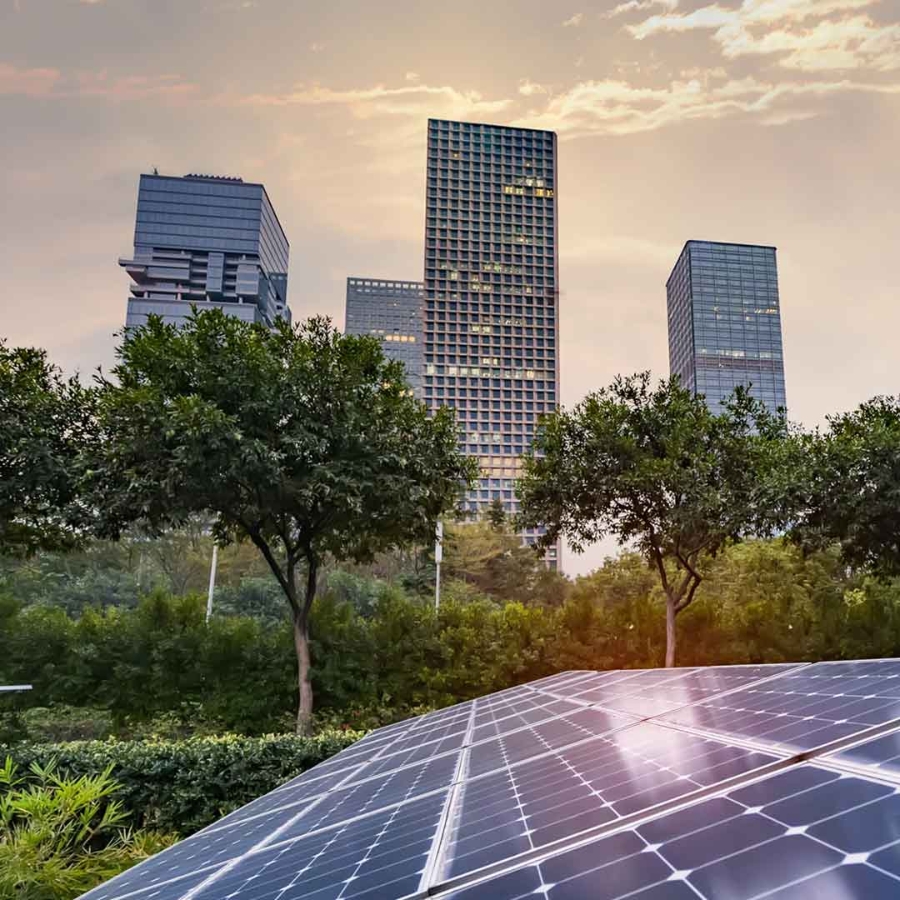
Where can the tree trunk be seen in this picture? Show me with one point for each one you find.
(305, 704)
(670, 632)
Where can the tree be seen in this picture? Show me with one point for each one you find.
(657, 470)
(853, 487)
(303, 441)
(45, 423)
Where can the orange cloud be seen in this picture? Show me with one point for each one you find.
(28, 82)
(52, 83)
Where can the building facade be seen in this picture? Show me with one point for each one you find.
(492, 293)
(209, 241)
(392, 312)
(725, 322)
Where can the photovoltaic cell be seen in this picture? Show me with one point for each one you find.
(802, 833)
(879, 755)
(652, 692)
(593, 783)
(377, 856)
(806, 708)
(533, 740)
(298, 794)
(565, 788)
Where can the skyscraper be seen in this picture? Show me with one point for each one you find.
(491, 293)
(725, 322)
(392, 312)
(210, 241)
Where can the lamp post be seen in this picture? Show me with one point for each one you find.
(438, 555)
(212, 581)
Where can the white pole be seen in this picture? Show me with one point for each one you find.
(212, 581)
(438, 556)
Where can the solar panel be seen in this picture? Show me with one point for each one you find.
(725, 782)
(803, 708)
(803, 833)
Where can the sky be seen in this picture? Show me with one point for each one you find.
(760, 121)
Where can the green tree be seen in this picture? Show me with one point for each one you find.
(301, 440)
(657, 470)
(45, 423)
(853, 487)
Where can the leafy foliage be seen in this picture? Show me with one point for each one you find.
(61, 835)
(655, 468)
(852, 479)
(45, 424)
(301, 440)
(180, 786)
(381, 654)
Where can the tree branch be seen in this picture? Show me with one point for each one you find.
(266, 551)
(684, 604)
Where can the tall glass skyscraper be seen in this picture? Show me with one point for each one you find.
(392, 312)
(492, 293)
(725, 322)
(208, 241)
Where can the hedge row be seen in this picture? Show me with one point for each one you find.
(180, 786)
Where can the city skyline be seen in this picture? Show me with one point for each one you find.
(670, 128)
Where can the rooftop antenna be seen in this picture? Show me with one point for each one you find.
(155, 171)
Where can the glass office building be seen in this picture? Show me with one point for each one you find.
(392, 312)
(492, 293)
(209, 241)
(725, 322)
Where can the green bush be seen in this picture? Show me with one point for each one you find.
(62, 835)
(180, 786)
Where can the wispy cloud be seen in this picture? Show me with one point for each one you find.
(639, 5)
(52, 83)
(410, 100)
(807, 35)
(411, 76)
(28, 82)
(574, 21)
(528, 88)
(619, 108)
(317, 46)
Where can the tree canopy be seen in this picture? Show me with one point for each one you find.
(303, 441)
(45, 425)
(851, 477)
(654, 468)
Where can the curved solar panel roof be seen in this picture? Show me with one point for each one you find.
(725, 783)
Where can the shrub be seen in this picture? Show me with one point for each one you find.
(180, 786)
(62, 835)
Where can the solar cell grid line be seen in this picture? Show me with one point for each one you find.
(804, 832)
(488, 728)
(550, 734)
(134, 886)
(805, 709)
(378, 855)
(594, 682)
(652, 697)
(361, 797)
(286, 796)
(592, 784)
(210, 847)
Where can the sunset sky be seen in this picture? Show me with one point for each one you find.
(765, 121)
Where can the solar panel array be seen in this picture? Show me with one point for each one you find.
(733, 783)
